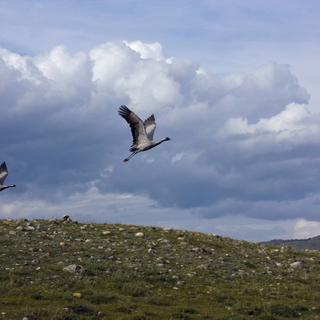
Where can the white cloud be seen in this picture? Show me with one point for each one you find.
(153, 50)
(291, 127)
(284, 123)
(63, 67)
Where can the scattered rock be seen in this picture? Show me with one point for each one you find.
(163, 240)
(203, 266)
(66, 219)
(139, 234)
(179, 260)
(73, 268)
(202, 250)
(160, 259)
(42, 227)
(297, 264)
(77, 294)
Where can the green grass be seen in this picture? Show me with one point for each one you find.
(189, 275)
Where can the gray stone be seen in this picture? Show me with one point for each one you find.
(139, 234)
(74, 268)
(41, 227)
(297, 264)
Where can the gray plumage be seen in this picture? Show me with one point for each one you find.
(142, 132)
(3, 175)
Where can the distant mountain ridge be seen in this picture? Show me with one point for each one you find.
(300, 244)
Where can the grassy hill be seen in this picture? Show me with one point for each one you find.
(135, 272)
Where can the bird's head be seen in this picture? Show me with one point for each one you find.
(166, 139)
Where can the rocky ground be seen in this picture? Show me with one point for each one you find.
(62, 269)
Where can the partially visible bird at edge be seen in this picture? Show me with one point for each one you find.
(142, 132)
(3, 175)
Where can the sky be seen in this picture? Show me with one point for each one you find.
(233, 83)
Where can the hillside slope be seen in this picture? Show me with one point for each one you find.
(62, 269)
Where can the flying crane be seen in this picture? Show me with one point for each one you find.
(142, 132)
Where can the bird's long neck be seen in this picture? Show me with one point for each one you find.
(159, 142)
(6, 187)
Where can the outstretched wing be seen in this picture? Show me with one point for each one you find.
(137, 127)
(3, 173)
(150, 125)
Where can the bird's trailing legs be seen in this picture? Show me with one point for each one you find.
(131, 155)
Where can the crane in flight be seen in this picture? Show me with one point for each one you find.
(142, 132)
(3, 175)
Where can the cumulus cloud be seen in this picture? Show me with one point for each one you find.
(152, 50)
(291, 127)
(245, 144)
